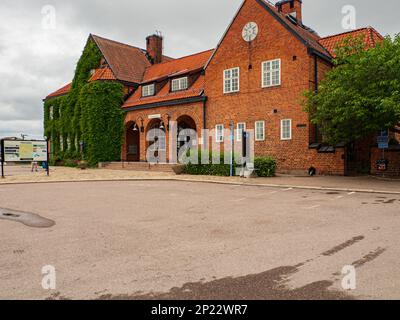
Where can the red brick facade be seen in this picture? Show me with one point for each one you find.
(304, 59)
(254, 103)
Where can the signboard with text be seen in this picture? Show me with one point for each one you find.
(17, 150)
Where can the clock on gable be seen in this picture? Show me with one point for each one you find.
(250, 31)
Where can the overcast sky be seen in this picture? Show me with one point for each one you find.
(35, 61)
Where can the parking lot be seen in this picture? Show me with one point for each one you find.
(183, 240)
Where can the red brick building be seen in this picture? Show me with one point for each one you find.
(255, 78)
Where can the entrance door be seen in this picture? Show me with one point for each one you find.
(133, 144)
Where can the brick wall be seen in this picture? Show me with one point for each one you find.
(271, 105)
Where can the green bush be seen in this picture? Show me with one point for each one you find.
(70, 163)
(265, 166)
(221, 169)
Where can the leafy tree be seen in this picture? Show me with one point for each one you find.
(361, 94)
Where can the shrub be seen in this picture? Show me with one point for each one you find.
(265, 166)
(70, 163)
(221, 169)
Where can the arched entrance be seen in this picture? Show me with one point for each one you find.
(185, 122)
(132, 142)
(156, 141)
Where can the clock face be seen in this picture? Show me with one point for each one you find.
(250, 31)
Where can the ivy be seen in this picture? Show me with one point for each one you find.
(90, 112)
(102, 121)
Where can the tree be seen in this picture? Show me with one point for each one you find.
(361, 94)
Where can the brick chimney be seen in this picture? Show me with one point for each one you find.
(155, 48)
(292, 7)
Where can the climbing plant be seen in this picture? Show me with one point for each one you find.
(102, 121)
(75, 115)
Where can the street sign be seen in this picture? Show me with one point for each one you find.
(383, 139)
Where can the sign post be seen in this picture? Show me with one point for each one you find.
(383, 143)
(2, 158)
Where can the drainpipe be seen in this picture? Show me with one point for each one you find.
(205, 113)
(316, 90)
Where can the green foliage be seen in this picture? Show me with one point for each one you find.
(91, 112)
(221, 169)
(361, 95)
(265, 166)
(102, 121)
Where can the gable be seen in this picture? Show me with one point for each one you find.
(128, 63)
(260, 11)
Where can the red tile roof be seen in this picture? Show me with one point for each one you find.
(371, 38)
(182, 66)
(60, 92)
(103, 74)
(164, 94)
(127, 62)
(178, 66)
(306, 34)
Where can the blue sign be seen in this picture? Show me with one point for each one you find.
(383, 142)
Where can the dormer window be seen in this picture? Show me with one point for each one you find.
(179, 84)
(148, 90)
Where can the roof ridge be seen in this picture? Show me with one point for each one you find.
(177, 59)
(346, 32)
(118, 42)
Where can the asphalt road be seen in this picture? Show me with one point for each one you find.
(181, 240)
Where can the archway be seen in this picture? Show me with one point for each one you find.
(132, 140)
(156, 140)
(185, 122)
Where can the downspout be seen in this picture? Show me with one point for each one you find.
(205, 113)
(316, 90)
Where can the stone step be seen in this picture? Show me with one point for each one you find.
(137, 166)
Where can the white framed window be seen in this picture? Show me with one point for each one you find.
(179, 84)
(241, 127)
(148, 90)
(231, 80)
(260, 130)
(271, 73)
(219, 133)
(51, 112)
(286, 129)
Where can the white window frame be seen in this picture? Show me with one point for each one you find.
(148, 90)
(265, 72)
(239, 132)
(51, 112)
(229, 78)
(256, 130)
(219, 133)
(179, 84)
(285, 138)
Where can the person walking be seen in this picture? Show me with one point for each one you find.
(34, 166)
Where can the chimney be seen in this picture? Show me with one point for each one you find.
(292, 7)
(155, 48)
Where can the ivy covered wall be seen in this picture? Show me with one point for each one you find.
(90, 112)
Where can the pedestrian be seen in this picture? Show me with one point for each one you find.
(34, 166)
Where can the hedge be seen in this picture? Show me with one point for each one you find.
(265, 166)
